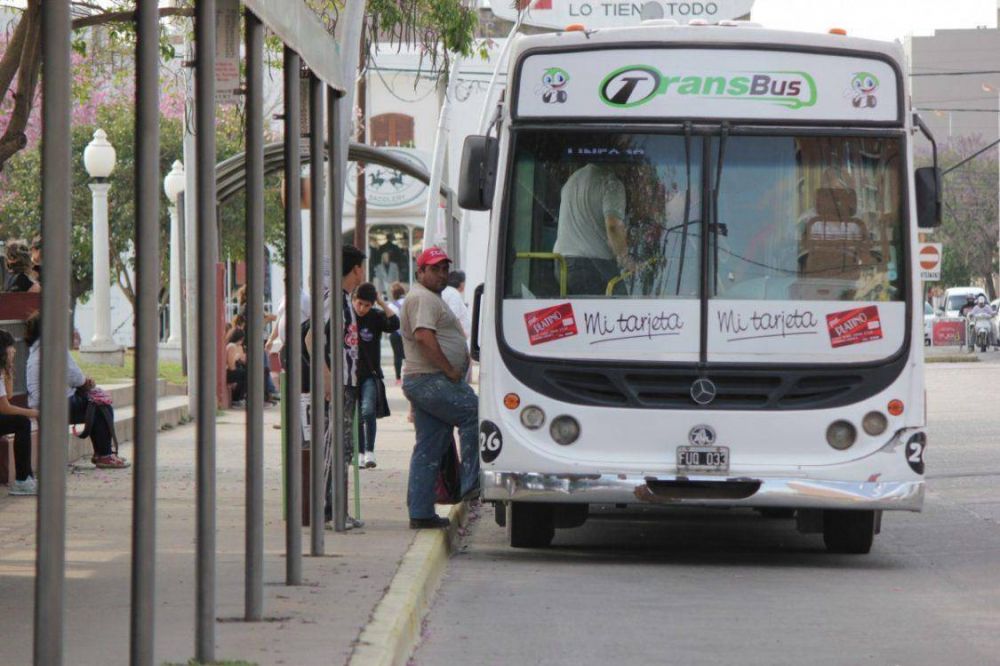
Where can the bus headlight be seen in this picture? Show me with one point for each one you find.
(874, 423)
(564, 430)
(841, 435)
(532, 417)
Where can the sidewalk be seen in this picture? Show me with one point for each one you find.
(316, 623)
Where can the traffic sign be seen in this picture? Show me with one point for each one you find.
(929, 261)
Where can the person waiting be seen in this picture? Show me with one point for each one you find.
(236, 365)
(372, 323)
(19, 268)
(78, 386)
(397, 292)
(16, 421)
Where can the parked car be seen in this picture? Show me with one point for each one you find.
(956, 297)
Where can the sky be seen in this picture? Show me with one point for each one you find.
(876, 19)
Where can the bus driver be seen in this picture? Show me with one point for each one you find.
(591, 233)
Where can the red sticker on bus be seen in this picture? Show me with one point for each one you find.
(851, 327)
(550, 324)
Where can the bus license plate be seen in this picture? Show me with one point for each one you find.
(702, 459)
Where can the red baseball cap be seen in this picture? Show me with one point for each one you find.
(430, 256)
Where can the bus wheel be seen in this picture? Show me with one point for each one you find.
(529, 525)
(848, 531)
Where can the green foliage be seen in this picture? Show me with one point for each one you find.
(20, 204)
(969, 228)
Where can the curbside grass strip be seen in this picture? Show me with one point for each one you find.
(395, 626)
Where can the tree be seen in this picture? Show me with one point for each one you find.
(969, 228)
(440, 27)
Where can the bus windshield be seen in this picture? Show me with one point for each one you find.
(623, 215)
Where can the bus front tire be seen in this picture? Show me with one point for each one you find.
(849, 532)
(529, 525)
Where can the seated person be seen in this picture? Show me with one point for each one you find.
(16, 421)
(78, 387)
(236, 364)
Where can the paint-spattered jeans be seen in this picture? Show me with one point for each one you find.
(439, 405)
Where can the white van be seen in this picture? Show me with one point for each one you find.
(956, 297)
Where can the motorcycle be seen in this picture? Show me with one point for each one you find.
(980, 328)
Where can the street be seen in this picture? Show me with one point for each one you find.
(723, 587)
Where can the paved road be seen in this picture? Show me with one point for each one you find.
(731, 587)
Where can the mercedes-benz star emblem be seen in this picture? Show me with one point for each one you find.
(703, 391)
(702, 435)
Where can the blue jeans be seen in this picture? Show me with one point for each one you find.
(438, 406)
(366, 434)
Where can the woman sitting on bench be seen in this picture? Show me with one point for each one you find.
(77, 388)
(16, 421)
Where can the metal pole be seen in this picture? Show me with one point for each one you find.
(336, 206)
(56, 201)
(293, 319)
(254, 601)
(317, 456)
(453, 225)
(437, 164)
(182, 223)
(147, 252)
(207, 251)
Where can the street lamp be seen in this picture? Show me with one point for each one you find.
(173, 186)
(99, 160)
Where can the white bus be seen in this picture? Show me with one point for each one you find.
(701, 286)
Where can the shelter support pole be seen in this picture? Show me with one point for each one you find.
(147, 251)
(336, 209)
(254, 575)
(207, 251)
(319, 454)
(50, 563)
(293, 316)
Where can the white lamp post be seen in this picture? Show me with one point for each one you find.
(99, 160)
(173, 186)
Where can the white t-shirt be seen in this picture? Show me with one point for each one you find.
(453, 299)
(588, 198)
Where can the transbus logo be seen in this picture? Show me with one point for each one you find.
(635, 85)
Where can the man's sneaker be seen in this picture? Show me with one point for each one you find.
(353, 523)
(26, 487)
(362, 460)
(370, 461)
(110, 461)
(435, 523)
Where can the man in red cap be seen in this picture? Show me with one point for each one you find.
(434, 381)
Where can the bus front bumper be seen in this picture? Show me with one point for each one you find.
(801, 493)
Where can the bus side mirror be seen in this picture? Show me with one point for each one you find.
(479, 172)
(928, 181)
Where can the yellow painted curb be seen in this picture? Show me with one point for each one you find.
(394, 630)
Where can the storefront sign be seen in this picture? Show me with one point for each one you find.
(388, 188)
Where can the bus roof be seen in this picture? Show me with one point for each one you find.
(744, 34)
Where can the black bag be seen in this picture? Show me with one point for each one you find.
(381, 399)
(448, 485)
(98, 407)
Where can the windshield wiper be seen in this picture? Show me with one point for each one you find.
(687, 204)
(715, 228)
